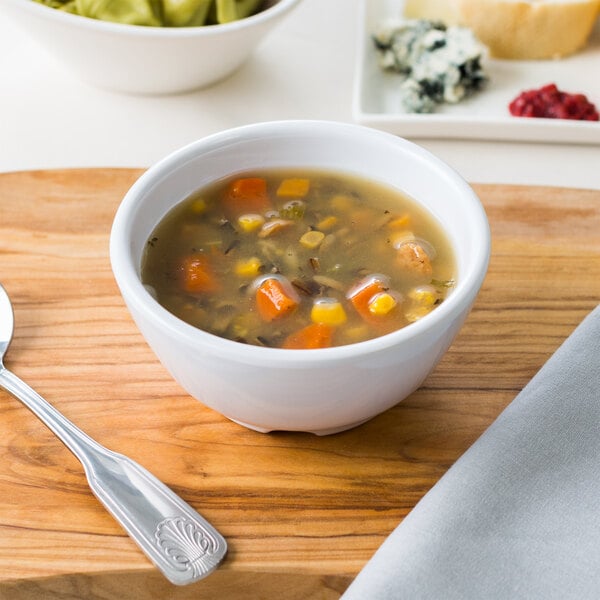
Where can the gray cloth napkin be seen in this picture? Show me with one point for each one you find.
(518, 515)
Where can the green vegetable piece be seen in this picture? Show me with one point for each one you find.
(158, 13)
(292, 210)
(232, 10)
(185, 13)
(64, 5)
(129, 12)
(445, 283)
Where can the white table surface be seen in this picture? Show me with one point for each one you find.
(303, 70)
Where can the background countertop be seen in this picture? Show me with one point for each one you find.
(302, 514)
(287, 540)
(303, 70)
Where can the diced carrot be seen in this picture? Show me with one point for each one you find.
(248, 187)
(273, 300)
(362, 294)
(316, 335)
(246, 195)
(377, 304)
(293, 188)
(197, 275)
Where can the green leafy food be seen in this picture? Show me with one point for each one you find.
(130, 12)
(232, 10)
(64, 5)
(185, 13)
(159, 13)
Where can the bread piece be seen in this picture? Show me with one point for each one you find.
(434, 10)
(530, 30)
(518, 29)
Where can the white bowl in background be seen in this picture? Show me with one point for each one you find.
(145, 60)
(325, 390)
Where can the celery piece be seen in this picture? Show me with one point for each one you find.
(292, 210)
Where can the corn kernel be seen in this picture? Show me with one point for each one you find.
(382, 303)
(312, 239)
(250, 222)
(248, 268)
(328, 311)
(327, 223)
(361, 217)
(293, 188)
(357, 333)
(243, 324)
(401, 222)
(424, 295)
(342, 202)
(199, 206)
(417, 312)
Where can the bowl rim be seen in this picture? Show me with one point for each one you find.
(133, 291)
(147, 31)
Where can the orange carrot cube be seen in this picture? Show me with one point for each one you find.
(274, 299)
(197, 275)
(246, 195)
(316, 335)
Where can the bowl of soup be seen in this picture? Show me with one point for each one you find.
(148, 47)
(300, 275)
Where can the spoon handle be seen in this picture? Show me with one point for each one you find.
(182, 544)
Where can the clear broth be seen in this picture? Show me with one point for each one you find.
(362, 229)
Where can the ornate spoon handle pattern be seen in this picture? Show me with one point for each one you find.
(181, 543)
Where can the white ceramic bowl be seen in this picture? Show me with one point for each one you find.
(145, 60)
(325, 390)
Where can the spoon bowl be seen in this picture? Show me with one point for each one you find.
(7, 323)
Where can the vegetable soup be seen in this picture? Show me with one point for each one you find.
(298, 259)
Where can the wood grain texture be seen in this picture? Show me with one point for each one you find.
(302, 514)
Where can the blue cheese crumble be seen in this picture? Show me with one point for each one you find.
(439, 64)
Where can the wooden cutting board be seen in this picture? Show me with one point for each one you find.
(302, 514)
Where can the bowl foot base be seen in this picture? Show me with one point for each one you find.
(319, 432)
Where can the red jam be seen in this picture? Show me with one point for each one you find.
(550, 103)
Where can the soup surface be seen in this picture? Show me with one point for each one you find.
(298, 259)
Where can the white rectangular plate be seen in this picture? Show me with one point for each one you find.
(484, 115)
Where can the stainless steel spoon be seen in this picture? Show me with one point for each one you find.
(183, 545)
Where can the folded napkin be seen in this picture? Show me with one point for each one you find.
(518, 515)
